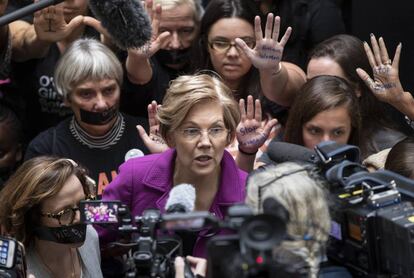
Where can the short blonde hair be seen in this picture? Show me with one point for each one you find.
(188, 90)
(194, 4)
(300, 189)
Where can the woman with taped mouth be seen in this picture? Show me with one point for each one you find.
(39, 206)
(198, 119)
(89, 78)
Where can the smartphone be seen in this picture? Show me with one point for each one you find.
(99, 212)
(7, 252)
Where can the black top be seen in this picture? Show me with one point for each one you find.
(102, 164)
(135, 98)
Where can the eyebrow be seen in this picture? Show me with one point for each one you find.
(228, 39)
(87, 89)
(194, 123)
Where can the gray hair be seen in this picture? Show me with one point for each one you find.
(86, 59)
(300, 189)
(194, 4)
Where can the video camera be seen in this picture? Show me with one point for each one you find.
(372, 215)
(152, 254)
(12, 258)
(251, 241)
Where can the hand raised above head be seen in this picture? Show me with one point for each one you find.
(268, 51)
(50, 24)
(157, 40)
(385, 84)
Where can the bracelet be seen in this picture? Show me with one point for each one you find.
(246, 153)
(278, 70)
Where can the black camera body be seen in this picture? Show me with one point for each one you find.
(12, 258)
(372, 216)
(151, 253)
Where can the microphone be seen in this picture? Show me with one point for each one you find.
(182, 199)
(281, 152)
(126, 21)
(29, 9)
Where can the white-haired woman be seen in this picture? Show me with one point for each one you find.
(89, 78)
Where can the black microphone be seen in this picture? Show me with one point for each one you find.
(126, 21)
(281, 152)
(182, 199)
(29, 9)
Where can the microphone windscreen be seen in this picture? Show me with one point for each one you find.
(126, 21)
(182, 198)
(281, 152)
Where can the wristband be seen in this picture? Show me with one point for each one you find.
(278, 70)
(246, 153)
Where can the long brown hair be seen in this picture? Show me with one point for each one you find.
(34, 181)
(319, 94)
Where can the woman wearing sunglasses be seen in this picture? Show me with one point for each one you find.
(39, 206)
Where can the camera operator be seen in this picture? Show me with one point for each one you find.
(300, 190)
(39, 207)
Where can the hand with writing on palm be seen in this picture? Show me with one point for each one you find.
(154, 142)
(50, 25)
(251, 132)
(385, 84)
(268, 52)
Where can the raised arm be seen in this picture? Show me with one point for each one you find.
(385, 84)
(138, 64)
(280, 81)
(31, 41)
(251, 132)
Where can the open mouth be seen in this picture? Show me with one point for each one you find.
(203, 158)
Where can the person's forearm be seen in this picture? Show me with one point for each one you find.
(26, 45)
(139, 70)
(405, 105)
(282, 86)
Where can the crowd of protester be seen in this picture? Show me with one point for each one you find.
(198, 104)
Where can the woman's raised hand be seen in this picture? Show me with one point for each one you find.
(252, 132)
(267, 53)
(50, 24)
(154, 142)
(385, 83)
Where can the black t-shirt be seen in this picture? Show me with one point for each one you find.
(102, 164)
(135, 98)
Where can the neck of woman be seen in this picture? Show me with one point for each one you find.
(206, 187)
(58, 259)
(233, 84)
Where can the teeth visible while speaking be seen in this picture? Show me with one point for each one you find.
(203, 158)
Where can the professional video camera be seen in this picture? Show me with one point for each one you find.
(12, 258)
(251, 241)
(372, 215)
(152, 254)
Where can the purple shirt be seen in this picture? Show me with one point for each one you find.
(145, 182)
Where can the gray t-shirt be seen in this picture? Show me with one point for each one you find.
(89, 255)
